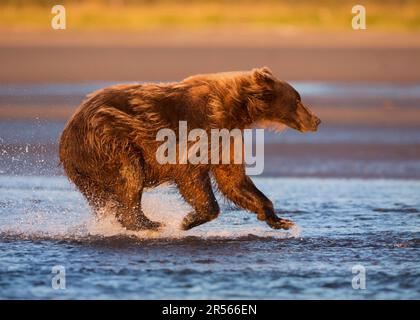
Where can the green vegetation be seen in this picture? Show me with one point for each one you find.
(195, 14)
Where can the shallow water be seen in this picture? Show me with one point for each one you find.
(44, 222)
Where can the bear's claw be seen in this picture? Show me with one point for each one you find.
(142, 223)
(149, 224)
(192, 220)
(279, 223)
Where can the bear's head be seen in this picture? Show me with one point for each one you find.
(277, 103)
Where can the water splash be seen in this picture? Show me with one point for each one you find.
(33, 212)
(170, 212)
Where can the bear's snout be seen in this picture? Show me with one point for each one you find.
(306, 119)
(315, 123)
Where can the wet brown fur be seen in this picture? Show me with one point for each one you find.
(108, 148)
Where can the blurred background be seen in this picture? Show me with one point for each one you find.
(364, 84)
(352, 187)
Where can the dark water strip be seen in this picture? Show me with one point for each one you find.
(307, 88)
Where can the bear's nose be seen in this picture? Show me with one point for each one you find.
(318, 121)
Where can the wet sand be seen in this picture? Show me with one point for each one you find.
(73, 57)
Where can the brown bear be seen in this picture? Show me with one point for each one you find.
(108, 148)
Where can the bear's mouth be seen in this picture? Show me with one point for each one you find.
(306, 120)
(304, 129)
(313, 127)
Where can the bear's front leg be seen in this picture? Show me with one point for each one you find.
(240, 189)
(196, 189)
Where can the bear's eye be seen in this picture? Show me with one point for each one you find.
(268, 97)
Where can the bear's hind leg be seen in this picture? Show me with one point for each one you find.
(128, 192)
(198, 192)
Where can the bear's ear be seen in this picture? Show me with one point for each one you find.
(263, 76)
(266, 70)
